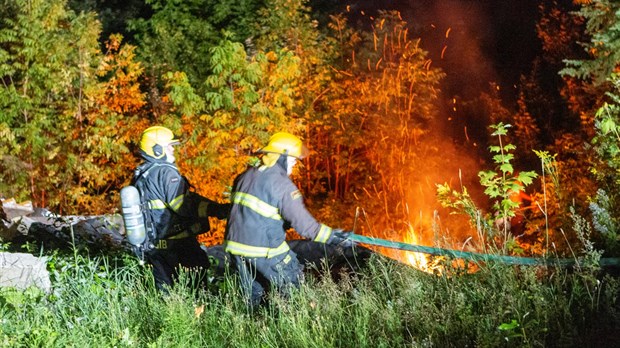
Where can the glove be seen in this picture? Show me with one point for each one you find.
(341, 238)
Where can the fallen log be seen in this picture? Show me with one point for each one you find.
(105, 234)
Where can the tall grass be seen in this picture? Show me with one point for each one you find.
(112, 302)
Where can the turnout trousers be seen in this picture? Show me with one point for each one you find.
(172, 254)
(258, 274)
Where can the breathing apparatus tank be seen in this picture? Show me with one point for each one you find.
(135, 229)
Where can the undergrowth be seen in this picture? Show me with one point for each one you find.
(112, 302)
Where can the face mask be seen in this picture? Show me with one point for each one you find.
(290, 163)
(170, 154)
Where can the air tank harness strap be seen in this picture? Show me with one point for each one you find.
(163, 243)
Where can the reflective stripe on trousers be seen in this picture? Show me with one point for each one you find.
(241, 249)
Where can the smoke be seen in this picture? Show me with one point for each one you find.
(458, 36)
(443, 162)
(479, 45)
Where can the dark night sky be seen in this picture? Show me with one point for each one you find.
(489, 40)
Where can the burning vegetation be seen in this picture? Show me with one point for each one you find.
(389, 110)
(442, 125)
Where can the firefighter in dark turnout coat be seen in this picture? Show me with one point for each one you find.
(175, 214)
(265, 202)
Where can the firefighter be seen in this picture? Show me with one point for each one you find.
(264, 203)
(174, 213)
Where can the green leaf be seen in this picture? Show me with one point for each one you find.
(509, 147)
(494, 148)
(608, 125)
(526, 178)
(506, 168)
(509, 326)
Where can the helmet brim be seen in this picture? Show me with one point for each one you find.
(304, 152)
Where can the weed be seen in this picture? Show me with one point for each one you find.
(501, 186)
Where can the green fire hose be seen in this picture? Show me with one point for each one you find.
(512, 260)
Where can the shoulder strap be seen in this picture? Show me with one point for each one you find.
(144, 170)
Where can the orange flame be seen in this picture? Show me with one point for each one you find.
(417, 260)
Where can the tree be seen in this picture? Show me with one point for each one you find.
(179, 36)
(113, 120)
(64, 104)
(602, 26)
(47, 56)
(599, 72)
(376, 111)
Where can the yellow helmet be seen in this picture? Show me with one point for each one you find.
(285, 144)
(155, 139)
